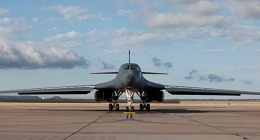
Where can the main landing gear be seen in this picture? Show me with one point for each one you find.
(129, 97)
(144, 106)
(113, 105)
(129, 109)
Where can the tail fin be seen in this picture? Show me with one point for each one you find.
(129, 55)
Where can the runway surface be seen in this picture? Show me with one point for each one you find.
(189, 120)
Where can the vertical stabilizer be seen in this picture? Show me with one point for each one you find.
(129, 56)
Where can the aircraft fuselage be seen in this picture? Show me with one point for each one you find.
(130, 77)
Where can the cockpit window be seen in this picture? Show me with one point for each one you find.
(132, 67)
(135, 67)
(126, 67)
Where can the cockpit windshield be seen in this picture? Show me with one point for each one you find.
(131, 66)
(126, 67)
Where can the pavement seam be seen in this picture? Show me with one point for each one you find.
(215, 128)
(86, 125)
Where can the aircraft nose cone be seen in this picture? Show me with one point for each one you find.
(129, 80)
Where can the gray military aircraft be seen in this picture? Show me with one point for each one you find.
(129, 80)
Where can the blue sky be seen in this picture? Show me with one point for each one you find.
(202, 43)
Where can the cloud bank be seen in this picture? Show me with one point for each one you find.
(18, 53)
(158, 63)
(191, 74)
(194, 74)
(28, 55)
(71, 13)
(215, 78)
(107, 66)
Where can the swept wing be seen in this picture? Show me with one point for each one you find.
(181, 90)
(81, 89)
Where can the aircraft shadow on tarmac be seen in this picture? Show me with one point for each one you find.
(76, 110)
(186, 111)
(168, 110)
(176, 111)
(179, 110)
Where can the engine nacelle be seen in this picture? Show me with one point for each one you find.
(154, 96)
(104, 95)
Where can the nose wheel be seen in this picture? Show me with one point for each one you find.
(130, 109)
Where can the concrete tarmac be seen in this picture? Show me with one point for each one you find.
(213, 120)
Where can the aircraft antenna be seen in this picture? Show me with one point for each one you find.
(129, 56)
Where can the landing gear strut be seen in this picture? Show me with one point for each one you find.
(129, 98)
(113, 103)
(144, 104)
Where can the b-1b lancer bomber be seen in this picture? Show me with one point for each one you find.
(129, 80)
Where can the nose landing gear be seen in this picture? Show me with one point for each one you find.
(129, 96)
(130, 109)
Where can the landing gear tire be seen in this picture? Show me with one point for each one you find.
(148, 107)
(127, 109)
(110, 107)
(141, 107)
(132, 109)
(117, 107)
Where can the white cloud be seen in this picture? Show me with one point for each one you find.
(215, 51)
(68, 35)
(29, 55)
(16, 52)
(187, 13)
(35, 20)
(12, 29)
(52, 19)
(198, 7)
(244, 36)
(5, 20)
(68, 12)
(203, 19)
(71, 13)
(64, 44)
(173, 20)
(119, 38)
(245, 8)
(4, 11)
(123, 12)
(203, 8)
(185, 1)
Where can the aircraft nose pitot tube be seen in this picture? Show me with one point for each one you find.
(129, 80)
